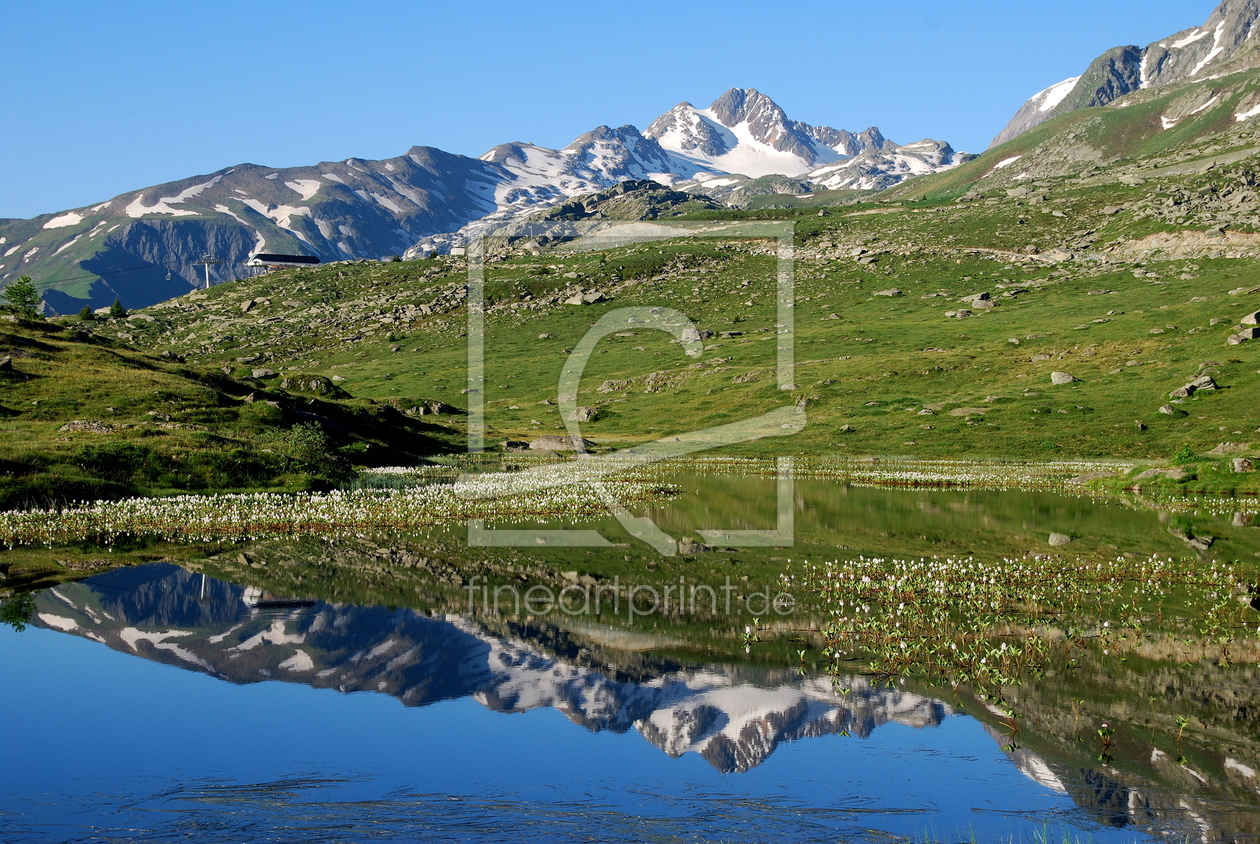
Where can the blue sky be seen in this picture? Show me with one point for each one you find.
(101, 98)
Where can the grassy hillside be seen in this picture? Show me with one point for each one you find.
(1118, 285)
(928, 323)
(87, 418)
(1186, 127)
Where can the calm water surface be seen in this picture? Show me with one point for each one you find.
(157, 704)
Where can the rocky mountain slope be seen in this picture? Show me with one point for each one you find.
(144, 246)
(1228, 42)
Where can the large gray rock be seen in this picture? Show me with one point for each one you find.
(1061, 378)
(1204, 382)
(585, 414)
(1244, 464)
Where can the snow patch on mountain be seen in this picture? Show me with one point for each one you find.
(70, 218)
(299, 663)
(1194, 35)
(163, 206)
(282, 214)
(58, 622)
(63, 247)
(138, 209)
(1217, 49)
(306, 188)
(1055, 94)
(1248, 114)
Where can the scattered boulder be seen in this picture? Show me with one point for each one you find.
(6, 363)
(891, 292)
(1202, 544)
(968, 411)
(433, 408)
(554, 442)
(312, 384)
(1058, 540)
(1244, 335)
(1169, 410)
(86, 426)
(585, 414)
(1229, 448)
(960, 314)
(1244, 464)
(687, 545)
(1252, 318)
(262, 373)
(1060, 378)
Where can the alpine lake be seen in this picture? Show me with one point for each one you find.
(722, 650)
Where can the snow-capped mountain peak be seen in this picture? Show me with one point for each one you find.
(744, 131)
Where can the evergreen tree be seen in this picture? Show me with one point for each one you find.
(24, 298)
(86, 314)
(116, 310)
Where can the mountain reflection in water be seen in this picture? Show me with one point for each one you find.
(734, 751)
(733, 719)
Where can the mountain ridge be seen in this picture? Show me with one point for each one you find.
(1225, 43)
(143, 246)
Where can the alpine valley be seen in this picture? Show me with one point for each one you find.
(781, 481)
